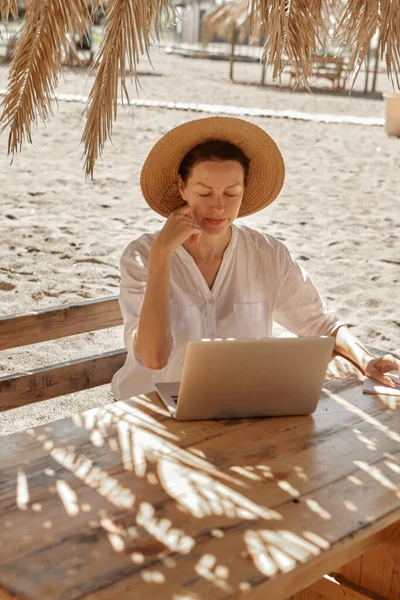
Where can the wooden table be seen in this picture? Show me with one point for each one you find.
(122, 502)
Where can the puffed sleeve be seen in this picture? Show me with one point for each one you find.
(299, 306)
(134, 266)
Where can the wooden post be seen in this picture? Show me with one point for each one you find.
(264, 70)
(367, 58)
(232, 56)
(376, 66)
(375, 69)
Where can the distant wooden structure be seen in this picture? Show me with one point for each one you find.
(329, 67)
(231, 22)
(188, 25)
(10, 46)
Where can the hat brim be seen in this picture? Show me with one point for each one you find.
(159, 175)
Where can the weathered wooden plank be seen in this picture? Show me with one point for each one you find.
(271, 482)
(293, 442)
(308, 594)
(19, 448)
(264, 438)
(346, 406)
(4, 595)
(197, 573)
(60, 321)
(146, 496)
(81, 431)
(271, 558)
(65, 378)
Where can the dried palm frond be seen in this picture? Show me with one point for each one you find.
(36, 64)
(295, 29)
(389, 39)
(126, 37)
(7, 8)
(358, 24)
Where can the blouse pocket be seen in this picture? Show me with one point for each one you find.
(252, 320)
(186, 322)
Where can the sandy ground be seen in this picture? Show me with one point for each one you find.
(61, 236)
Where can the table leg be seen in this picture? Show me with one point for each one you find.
(375, 575)
(378, 569)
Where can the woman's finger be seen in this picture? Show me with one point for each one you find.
(390, 363)
(190, 222)
(375, 374)
(182, 210)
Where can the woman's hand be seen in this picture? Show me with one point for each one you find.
(377, 367)
(179, 227)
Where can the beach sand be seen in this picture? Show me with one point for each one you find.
(62, 236)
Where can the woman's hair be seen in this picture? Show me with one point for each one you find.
(213, 150)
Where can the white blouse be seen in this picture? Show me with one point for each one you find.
(258, 282)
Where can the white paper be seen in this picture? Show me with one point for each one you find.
(372, 386)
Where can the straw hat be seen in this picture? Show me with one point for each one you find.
(159, 176)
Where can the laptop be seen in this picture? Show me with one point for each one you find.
(240, 378)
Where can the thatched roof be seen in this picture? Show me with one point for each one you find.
(7, 8)
(293, 28)
(233, 16)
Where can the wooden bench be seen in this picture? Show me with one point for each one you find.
(91, 371)
(68, 377)
(330, 67)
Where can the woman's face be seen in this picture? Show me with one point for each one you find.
(214, 191)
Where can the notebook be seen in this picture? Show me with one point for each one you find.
(372, 386)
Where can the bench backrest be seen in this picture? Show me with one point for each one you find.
(77, 375)
(328, 61)
(68, 377)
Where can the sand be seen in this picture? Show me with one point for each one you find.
(61, 236)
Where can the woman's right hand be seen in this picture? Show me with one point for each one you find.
(179, 227)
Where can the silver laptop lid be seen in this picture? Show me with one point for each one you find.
(250, 378)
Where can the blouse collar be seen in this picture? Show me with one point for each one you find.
(184, 254)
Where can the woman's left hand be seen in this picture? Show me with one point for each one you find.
(377, 367)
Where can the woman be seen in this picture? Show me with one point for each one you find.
(201, 275)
